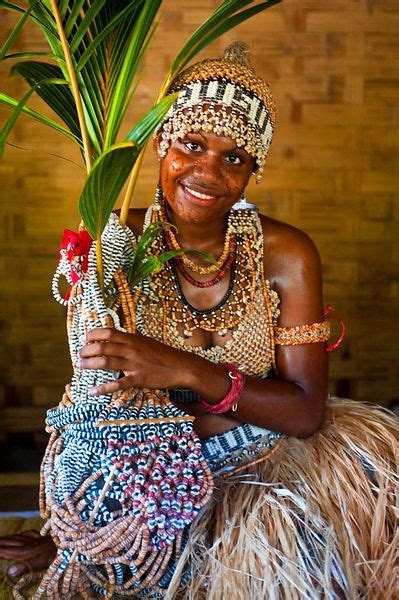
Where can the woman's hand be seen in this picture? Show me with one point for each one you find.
(150, 364)
(144, 361)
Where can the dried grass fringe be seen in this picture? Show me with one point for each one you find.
(318, 520)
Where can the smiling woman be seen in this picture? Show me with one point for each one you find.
(240, 343)
(203, 175)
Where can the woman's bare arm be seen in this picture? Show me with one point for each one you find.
(293, 402)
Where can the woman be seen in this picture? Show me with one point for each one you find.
(240, 344)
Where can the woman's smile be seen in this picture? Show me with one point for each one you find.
(199, 198)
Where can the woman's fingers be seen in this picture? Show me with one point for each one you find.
(114, 386)
(109, 363)
(107, 349)
(106, 334)
(102, 349)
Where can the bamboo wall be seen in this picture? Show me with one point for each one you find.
(333, 171)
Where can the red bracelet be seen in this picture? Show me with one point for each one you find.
(230, 400)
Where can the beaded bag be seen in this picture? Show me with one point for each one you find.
(123, 475)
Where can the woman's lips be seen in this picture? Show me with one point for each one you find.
(199, 198)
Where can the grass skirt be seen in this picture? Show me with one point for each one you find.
(316, 520)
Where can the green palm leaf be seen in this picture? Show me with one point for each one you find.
(60, 99)
(224, 18)
(150, 265)
(15, 8)
(131, 62)
(98, 47)
(39, 117)
(14, 33)
(27, 55)
(101, 190)
(10, 122)
(106, 40)
(144, 243)
(11, 6)
(144, 265)
(101, 36)
(110, 171)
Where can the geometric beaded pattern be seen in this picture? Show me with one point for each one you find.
(241, 444)
(225, 451)
(251, 343)
(231, 71)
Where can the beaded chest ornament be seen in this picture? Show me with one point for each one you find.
(243, 240)
(123, 475)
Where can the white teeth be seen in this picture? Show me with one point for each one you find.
(198, 195)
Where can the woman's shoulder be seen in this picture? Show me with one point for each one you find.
(135, 219)
(287, 249)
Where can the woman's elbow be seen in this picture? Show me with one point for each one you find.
(312, 418)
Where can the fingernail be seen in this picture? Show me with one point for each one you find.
(12, 570)
(78, 363)
(93, 391)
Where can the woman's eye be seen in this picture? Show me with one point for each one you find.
(193, 146)
(234, 159)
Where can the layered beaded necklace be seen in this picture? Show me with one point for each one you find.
(225, 261)
(220, 267)
(242, 259)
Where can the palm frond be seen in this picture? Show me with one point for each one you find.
(71, 77)
(144, 265)
(110, 171)
(97, 48)
(39, 117)
(227, 15)
(14, 33)
(11, 6)
(120, 86)
(106, 41)
(10, 122)
(27, 55)
(100, 191)
(144, 243)
(60, 100)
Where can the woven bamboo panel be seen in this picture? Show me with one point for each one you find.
(333, 171)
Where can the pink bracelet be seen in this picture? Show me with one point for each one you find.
(230, 400)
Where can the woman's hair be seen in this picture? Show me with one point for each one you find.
(225, 96)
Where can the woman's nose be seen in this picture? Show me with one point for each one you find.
(208, 167)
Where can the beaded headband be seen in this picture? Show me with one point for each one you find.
(224, 96)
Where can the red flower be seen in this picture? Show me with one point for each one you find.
(76, 248)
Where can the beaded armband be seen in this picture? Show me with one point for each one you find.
(302, 334)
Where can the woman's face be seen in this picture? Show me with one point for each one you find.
(203, 175)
